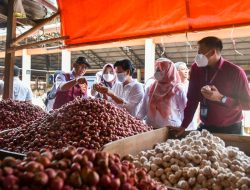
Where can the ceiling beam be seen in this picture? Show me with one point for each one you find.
(228, 56)
(26, 21)
(195, 52)
(48, 5)
(23, 22)
(34, 29)
(112, 51)
(137, 58)
(226, 46)
(26, 46)
(238, 32)
(98, 57)
(93, 58)
(162, 51)
(132, 56)
(108, 57)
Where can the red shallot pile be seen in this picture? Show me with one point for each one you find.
(70, 168)
(15, 113)
(89, 123)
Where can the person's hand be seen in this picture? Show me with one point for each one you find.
(101, 89)
(105, 96)
(211, 93)
(206, 91)
(81, 80)
(95, 86)
(176, 131)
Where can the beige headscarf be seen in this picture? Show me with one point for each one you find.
(160, 92)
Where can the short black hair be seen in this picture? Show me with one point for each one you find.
(126, 64)
(16, 71)
(83, 60)
(212, 42)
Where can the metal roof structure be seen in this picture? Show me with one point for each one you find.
(181, 51)
(34, 10)
(176, 51)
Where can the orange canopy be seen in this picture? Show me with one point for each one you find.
(96, 21)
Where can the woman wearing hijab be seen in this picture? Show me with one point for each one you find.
(164, 101)
(107, 79)
(126, 93)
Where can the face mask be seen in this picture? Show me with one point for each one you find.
(121, 77)
(159, 75)
(108, 77)
(201, 60)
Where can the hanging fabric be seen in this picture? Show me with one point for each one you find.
(99, 21)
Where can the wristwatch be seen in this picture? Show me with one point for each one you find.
(223, 100)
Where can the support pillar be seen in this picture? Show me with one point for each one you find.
(26, 67)
(9, 57)
(138, 75)
(149, 59)
(66, 60)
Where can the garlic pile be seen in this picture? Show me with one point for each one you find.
(199, 161)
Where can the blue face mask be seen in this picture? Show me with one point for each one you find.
(121, 77)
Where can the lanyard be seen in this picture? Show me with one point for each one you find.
(212, 79)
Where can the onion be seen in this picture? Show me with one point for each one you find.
(88, 123)
(90, 176)
(15, 114)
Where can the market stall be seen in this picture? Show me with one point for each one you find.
(200, 160)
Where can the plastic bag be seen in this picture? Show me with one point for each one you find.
(19, 11)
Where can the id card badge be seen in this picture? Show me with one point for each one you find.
(203, 111)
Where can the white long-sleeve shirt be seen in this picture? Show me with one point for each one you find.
(178, 103)
(194, 123)
(21, 91)
(185, 86)
(61, 79)
(131, 94)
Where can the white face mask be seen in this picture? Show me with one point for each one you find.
(159, 75)
(108, 77)
(121, 77)
(201, 60)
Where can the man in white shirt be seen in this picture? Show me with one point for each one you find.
(21, 91)
(127, 93)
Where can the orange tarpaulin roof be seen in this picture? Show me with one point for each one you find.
(96, 21)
